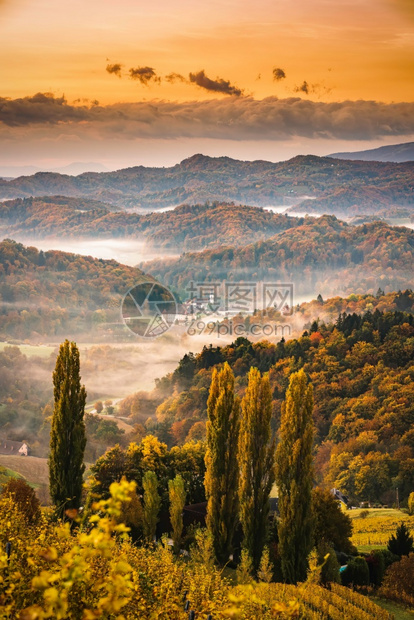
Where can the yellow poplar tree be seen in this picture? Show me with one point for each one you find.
(294, 475)
(177, 495)
(152, 505)
(221, 477)
(256, 457)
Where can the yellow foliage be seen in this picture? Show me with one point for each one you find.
(95, 572)
(377, 530)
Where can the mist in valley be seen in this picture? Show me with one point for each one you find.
(129, 252)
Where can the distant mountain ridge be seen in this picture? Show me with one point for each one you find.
(201, 179)
(77, 167)
(390, 153)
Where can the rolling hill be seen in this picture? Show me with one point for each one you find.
(182, 229)
(56, 294)
(361, 367)
(323, 255)
(200, 179)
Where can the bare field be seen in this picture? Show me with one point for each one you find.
(33, 468)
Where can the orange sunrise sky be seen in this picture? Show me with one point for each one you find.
(152, 82)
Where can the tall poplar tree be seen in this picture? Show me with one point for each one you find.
(256, 456)
(152, 505)
(177, 495)
(294, 475)
(221, 477)
(67, 435)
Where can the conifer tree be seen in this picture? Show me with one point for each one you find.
(176, 492)
(401, 543)
(221, 477)
(152, 505)
(294, 475)
(67, 435)
(256, 457)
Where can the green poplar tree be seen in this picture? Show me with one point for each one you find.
(221, 477)
(177, 497)
(256, 455)
(67, 435)
(152, 504)
(294, 475)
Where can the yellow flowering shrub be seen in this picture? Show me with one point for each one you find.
(94, 571)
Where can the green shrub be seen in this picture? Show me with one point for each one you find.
(376, 566)
(330, 567)
(356, 573)
(389, 558)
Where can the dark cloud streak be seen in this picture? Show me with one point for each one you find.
(278, 74)
(218, 85)
(115, 69)
(175, 77)
(303, 88)
(145, 75)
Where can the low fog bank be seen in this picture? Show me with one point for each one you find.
(112, 370)
(126, 251)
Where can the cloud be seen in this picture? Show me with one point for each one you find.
(278, 74)
(114, 69)
(218, 85)
(42, 108)
(175, 77)
(320, 90)
(303, 88)
(144, 75)
(231, 118)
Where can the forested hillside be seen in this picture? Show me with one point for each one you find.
(26, 387)
(258, 183)
(50, 294)
(346, 202)
(362, 370)
(182, 229)
(322, 255)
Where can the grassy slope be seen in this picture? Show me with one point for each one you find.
(6, 474)
(399, 613)
(377, 512)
